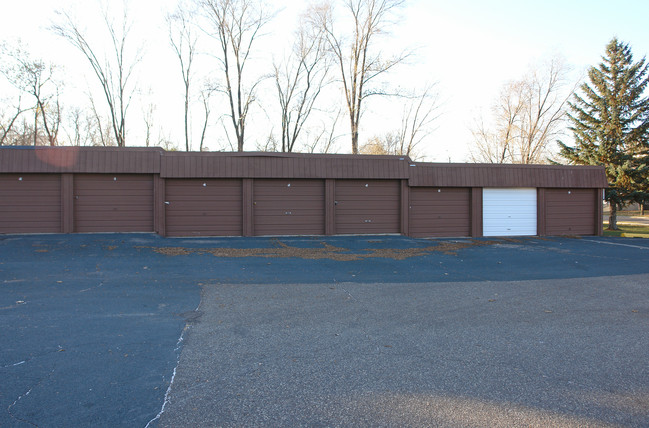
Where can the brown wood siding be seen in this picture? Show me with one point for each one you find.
(80, 160)
(289, 207)
(113, 203)
(440, 212)
(30, 203)
(476, 212)
(496, 175)
(281, 165)
(368, 206)
(570, 211)
(203, 207)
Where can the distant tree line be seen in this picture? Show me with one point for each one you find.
(336, 45)
(336, 49)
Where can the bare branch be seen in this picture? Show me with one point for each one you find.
(299, 81)
(36, 78)
(356, 60)
(528, 116)
(114, 73)
(183, 41)
(235, 24)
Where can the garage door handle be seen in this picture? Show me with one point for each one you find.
(167, 203)
(288, 213)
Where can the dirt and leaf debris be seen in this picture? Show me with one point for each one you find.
(327, 251)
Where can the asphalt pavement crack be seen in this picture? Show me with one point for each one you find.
(190, 320)
(17, 400)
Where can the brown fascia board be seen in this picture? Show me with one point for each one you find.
(29, 159)
(72, 159)
(287, 155)
(424, 174)
(281, 165)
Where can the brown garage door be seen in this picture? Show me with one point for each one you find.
(113, 203)
(289, 207)
(30, 203)
(440, 211)
(203, 207)
(570, 211)
(368, 206)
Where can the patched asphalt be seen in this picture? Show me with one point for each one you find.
(376, 330)
(525, 353)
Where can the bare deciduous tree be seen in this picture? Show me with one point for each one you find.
(148, 114)
(103, 132)
(205, 96)
(7, 121)
(235, 24)
(387, 144)
(419, 112)
(356, 59)
(74, 129)
(36, 78)
(496, 144)
(183, 41)
(527, 117)
(114, 70)
(299, 81)
(416, 120)
(325, 138)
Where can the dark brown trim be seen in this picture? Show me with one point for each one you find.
(159, 205)
(330, 206)
(292, 166)
(500, 175)
(67, 203)
(540, 210)
(405, 206)
(599, 212)
(476, 212)
(248, 209)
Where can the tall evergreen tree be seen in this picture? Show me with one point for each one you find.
(610, 123)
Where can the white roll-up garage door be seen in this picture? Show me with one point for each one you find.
(509, 212)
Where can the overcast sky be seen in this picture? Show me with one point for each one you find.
(469, 47)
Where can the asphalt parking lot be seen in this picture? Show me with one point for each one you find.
(313, 331)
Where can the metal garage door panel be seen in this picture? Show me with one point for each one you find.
(440, 211)
(30, 203)
(289, 207)
(509, 212)
(368, 206)
(113, 203)
(570, 211)
(204, 207)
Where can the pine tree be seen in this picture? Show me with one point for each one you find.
(610, 123)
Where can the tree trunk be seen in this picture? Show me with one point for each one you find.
(240, 142)
(186, 118)
(354, 138)
(36, 125)
(612, 219)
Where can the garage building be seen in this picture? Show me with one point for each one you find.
(77, 190)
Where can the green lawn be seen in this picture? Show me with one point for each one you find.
(628, 231)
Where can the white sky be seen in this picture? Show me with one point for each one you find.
(469, 47)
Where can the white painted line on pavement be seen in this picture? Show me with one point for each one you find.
(621, 245)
